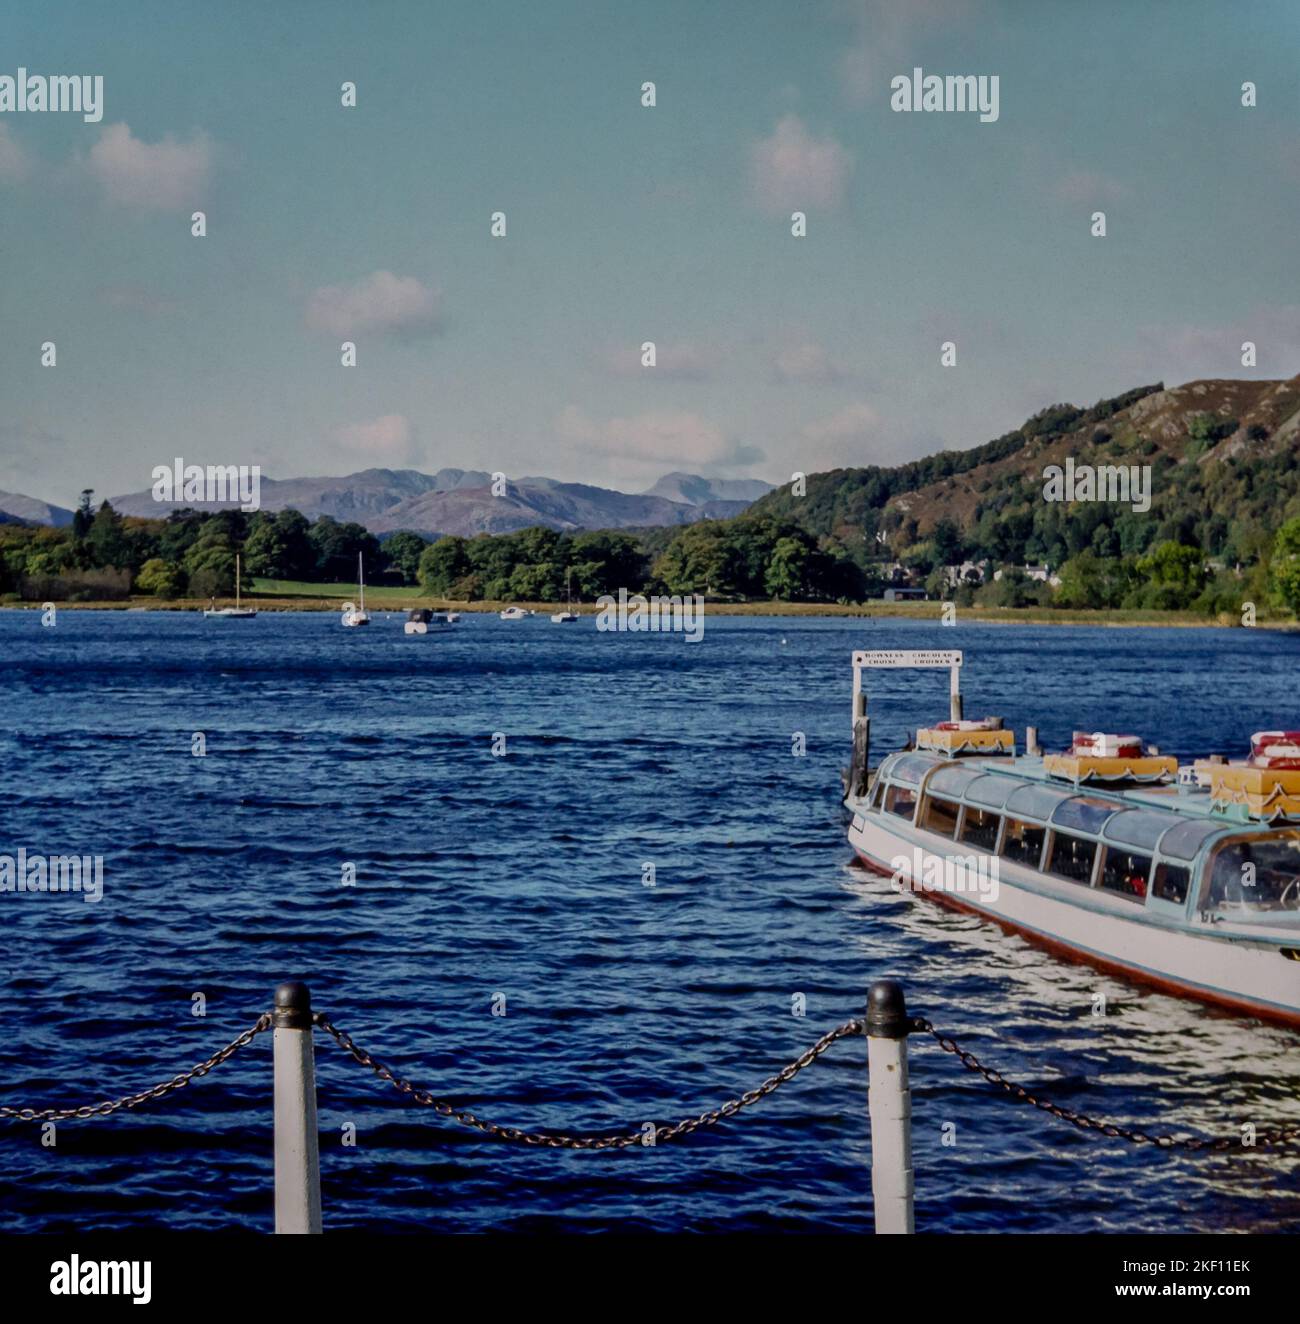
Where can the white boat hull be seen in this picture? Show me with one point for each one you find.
(1229, 965)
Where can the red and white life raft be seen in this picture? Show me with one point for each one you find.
(1104, 745)
(1275, 749)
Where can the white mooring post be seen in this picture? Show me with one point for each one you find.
(890, 1105)
(297, 1143)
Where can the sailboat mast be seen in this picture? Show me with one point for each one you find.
(361, 581)
(236, 581)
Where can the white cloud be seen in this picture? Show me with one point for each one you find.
(681, 362)
(850, 436)
(381, 302)
(1177, 353)
(793, 170)
(162, 176)
(806, 361)
(13, 160)
(387, 438)
(885, 38)
(671, 437)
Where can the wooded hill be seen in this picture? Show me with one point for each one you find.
(1225, 475)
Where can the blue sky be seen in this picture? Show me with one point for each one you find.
(626, 224)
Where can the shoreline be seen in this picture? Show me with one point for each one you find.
(392, 600)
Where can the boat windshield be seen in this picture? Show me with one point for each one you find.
(1254, 875)
(911, 768)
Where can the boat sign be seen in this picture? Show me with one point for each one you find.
(907, 659)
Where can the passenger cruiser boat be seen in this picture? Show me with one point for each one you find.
(1184, 878)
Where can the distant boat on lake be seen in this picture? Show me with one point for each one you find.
(515, 614)
(354, 616)
(420, 620)
(568, 615)
(235, 613)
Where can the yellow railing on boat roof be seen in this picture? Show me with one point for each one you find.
(1079, 768)
(940, 741)
(1264, 793)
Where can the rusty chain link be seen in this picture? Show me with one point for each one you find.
(263, 1022)
(1194, 1143)
(556, 1140)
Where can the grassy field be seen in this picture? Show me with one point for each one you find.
(296, 595)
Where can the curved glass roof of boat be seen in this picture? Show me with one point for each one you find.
(1174, 835)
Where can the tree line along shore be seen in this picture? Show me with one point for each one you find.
(1215, 538)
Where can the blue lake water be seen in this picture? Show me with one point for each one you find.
(522, 876)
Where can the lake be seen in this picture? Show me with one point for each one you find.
(520, 883)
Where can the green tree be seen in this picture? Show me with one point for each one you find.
(946, 537)
(1174, 575)
(787, 570)
(279, 547)
(159, 577)
(441, 565)
(106, 542)
(83, 515)
(402, 553)
(1285, 566)
(210, 562)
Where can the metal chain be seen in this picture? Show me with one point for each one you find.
(263, 1022)
(1279, 1136)
(555, 1140)
(559, 1140)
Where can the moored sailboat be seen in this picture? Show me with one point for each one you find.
(354, 616)
(235, 613)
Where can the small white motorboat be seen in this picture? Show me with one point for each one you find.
(421, 620)
(515, 614)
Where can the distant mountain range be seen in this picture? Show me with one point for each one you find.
(454, 501)
(18, 509)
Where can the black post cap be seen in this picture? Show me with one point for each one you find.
(887, 1016)
(292, 1007)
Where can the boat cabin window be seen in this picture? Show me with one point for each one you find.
(1023, 842)
(912, 767)
(1142, 828)
(1036, 801)
(1125, 873)
(991, 790)
(940, 816)
(901, 800)
(1084, 813)
(953, 779)
(1186, 837)
(1255, 874)
(1171, 882)
(980, 828)
(1071, 858)
(877, 790)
